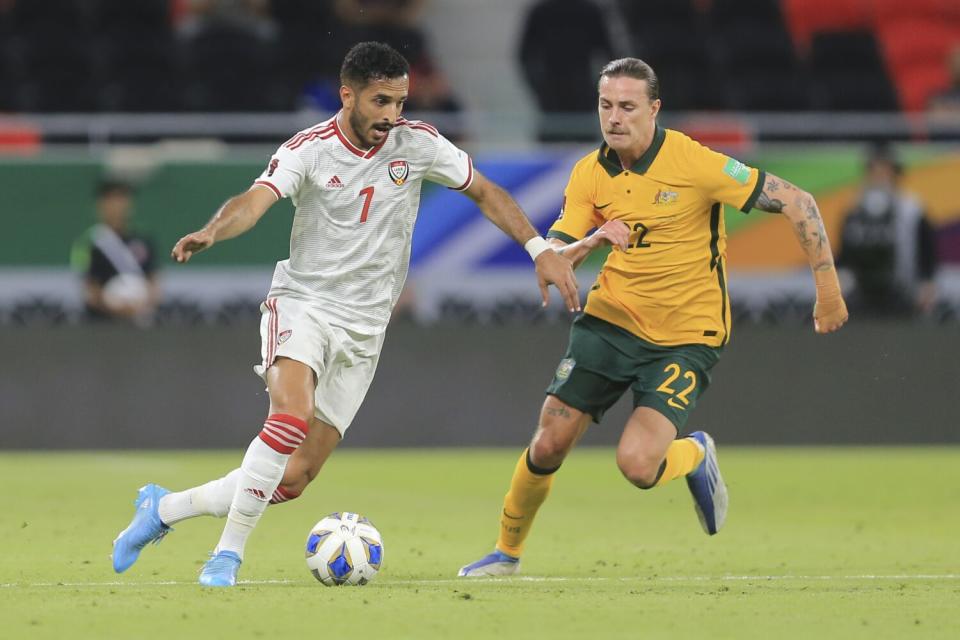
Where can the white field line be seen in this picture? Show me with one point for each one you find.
(507, 580)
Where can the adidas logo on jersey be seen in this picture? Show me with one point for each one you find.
(334, 183)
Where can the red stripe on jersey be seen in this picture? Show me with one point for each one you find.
(308, 137)
(469, 176)
(276, 191)
(430, 130)
(271, 332)
(419, 125)
(297, 137)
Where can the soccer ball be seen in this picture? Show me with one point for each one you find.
(125, 289)
(344, 548)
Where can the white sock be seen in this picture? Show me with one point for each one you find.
(210, 499)
(260, 474)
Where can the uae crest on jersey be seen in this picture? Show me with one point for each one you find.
(399, 170)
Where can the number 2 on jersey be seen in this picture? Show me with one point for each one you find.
(367, 193)
(642, 230)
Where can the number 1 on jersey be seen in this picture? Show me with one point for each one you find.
(367, 192)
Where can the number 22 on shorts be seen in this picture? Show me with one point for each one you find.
(675, 372)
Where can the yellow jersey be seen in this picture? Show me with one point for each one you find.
(669, 287)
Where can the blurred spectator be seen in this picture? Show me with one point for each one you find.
(249, 16)
(888, 245)
(391, 21)
(563, 46)
(948, 100)
(430, 92)
(117, 265)
(403, 13)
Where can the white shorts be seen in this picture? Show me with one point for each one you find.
(343, 361)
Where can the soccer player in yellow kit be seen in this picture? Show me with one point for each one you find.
(658, 315)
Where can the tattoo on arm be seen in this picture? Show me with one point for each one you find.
(813, 215)
(766, 202)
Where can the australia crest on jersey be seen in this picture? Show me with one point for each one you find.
(399, 170)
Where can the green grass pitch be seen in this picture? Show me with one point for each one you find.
(827, 543)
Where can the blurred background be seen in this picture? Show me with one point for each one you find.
(125, 124)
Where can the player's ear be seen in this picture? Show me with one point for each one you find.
(347, 96)
(655, 107)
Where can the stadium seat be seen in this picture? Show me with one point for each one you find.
(314, 14)
(894, 10)
(140, 16)
(685, 65)
(806, 17)
(677, 12)
(916, 50)
(848, 73)
(228, 69)
(55, 70)
(724, 11)
(143, 73)
(761, 70)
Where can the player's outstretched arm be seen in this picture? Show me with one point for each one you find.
(616, 233)
(236, 216)
(780, 196)
(497, 205)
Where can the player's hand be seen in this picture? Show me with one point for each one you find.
(613, 232)
(830, 311)
(192, 243)
(554, 269)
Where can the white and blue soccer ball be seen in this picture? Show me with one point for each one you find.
(344, 549)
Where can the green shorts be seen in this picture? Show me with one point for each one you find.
(603, 360)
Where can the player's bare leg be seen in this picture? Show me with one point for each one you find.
(307, 460)
(642, 451)
(291, 385)
(649, 456)
(561, 426)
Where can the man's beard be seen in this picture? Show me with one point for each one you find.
(362, 129)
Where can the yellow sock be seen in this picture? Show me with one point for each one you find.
(527, 492)
(683, 456)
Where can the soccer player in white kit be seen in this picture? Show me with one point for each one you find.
(355, 180)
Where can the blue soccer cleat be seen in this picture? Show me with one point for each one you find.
(145, 527)
(220, 570)
(707, 487)
(493, 564)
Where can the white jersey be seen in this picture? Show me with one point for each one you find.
(355, 210)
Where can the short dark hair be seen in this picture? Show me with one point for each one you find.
(111, 186)
(883, 154)
(368, 61)
(633, 68)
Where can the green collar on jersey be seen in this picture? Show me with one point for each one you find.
(610, 161)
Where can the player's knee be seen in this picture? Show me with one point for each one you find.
(549, 449)
(301, 409)
(291, 403)
(641, 473)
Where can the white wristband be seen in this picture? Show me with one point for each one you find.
(535, 246)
